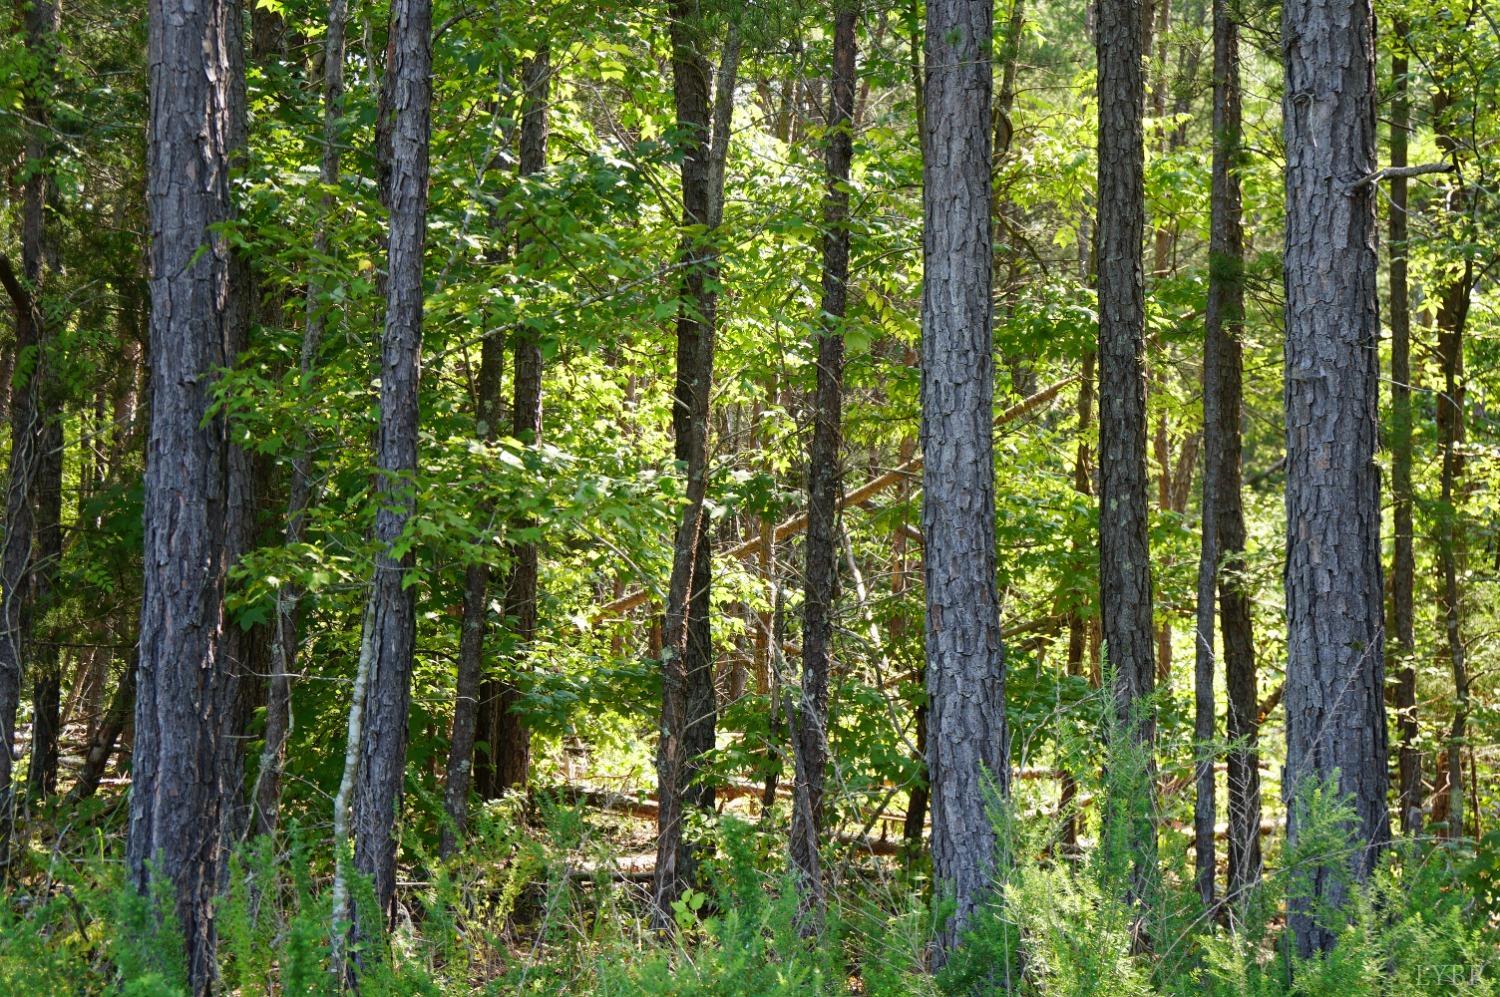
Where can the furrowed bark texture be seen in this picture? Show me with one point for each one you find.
(1124, 559)
(382, 751)
(824, 474)
(183, 692)
(1335, 639)
(967, 741)
(513, 738)
(689, 711)
(1223, 509)
(1403, 562)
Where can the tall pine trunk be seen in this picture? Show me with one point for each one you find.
(184, 691)
(1335, 673)
(390, 627)
(689, 711)
(1124, 559)
(967, 740)
(823, 468)
(1222, 563)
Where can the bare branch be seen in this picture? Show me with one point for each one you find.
(1400, 172)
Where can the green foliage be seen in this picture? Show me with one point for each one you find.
(146, 944)
(583, 255)
(1056, 926)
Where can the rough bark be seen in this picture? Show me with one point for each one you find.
(967, 740)
(286, 639)
(512, 747)
(183, 694)
(688, 704)
(1335, 634)
(1403, 562)
(1223, 509)
(824, 475)
(391, 624)
(1124, 559)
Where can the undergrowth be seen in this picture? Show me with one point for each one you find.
(534, 906)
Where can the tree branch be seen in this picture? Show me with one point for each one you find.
(1400, 172)
(19, 296)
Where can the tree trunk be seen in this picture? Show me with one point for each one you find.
(240, 645)
(45, 424)
(1222, 560)
(102, 744)
(1403, 563)
(1078, 622)
(1335, 634)
(916, 805)
(967, 740)
(183, 692)
(1452, 317)
(287, 639)
(688, 706)
(1124, 559)
(30, 423)
(46, 664)
(823, 467)
(391, 626)
(467, 706)
(1021, 363)
(512, 750)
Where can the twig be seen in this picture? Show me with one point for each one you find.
(1400, 172)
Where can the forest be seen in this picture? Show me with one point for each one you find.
(750, 497)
